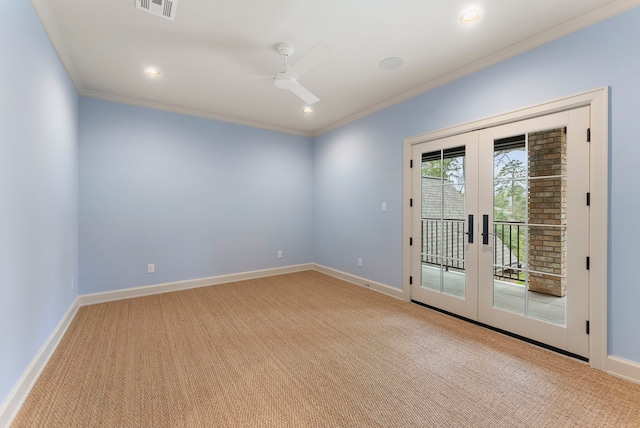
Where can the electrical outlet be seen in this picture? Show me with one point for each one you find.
(384, 207)
(151, 268)
(280, 254)
(72, 284)
(359, 262)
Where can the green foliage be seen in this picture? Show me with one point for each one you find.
(449, 169)
(510, 194)
(510, 202)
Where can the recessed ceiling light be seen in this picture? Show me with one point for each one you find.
(151, 72)
(470, 16)
(390, 63)
(307, 110)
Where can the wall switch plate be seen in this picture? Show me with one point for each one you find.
(280, 254)
(359, 262)
(384, 207)
(151, 268)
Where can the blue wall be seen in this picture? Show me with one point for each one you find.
(360, 165)
(196, 197)
(38, 202)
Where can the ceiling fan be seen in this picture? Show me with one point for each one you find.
(287, 77)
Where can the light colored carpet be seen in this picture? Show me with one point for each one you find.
(306, 349)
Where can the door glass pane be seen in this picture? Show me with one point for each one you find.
(544, 304)
(432, 165)
(443, 221)
(453, 165)
(529, 224)
(510, 158)
(509, 294)
(431, 199)
(548, 200)
(432, 274)
(509, 249)
(547, 248)
(510, 201)
(453, 278)
(431, 240)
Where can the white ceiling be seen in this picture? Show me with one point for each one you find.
(209, 56)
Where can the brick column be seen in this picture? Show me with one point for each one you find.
(547, 206)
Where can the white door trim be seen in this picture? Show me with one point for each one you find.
(598, 100)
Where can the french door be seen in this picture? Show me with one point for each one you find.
(500, 227)
(444, 259)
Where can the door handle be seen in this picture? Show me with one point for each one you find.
(470, 229)
(485, 229)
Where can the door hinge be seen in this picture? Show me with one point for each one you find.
(411, 202)
(588, 199)
(410, 241)
(588, 135)
(588, 263)
(411, 163)
(588, 327)
(410, 280)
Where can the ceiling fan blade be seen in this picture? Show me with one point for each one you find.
(316, 56)
(303, 93)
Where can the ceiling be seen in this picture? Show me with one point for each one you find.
(210, 57)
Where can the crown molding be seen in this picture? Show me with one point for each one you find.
(566, 28)
(191, 112)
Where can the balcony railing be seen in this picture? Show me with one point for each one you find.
(509, 253)
(443, 244)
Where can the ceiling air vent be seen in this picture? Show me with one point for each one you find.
(164, 8)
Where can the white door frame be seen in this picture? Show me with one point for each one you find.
(598, 100)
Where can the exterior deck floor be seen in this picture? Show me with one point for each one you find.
(507, 296)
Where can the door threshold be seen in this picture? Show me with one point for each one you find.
(506, 333)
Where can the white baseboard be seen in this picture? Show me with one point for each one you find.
(624, 369)
(11, 405)
(376, 286)
(129, 293)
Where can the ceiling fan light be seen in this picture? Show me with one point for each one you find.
(152, 72)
